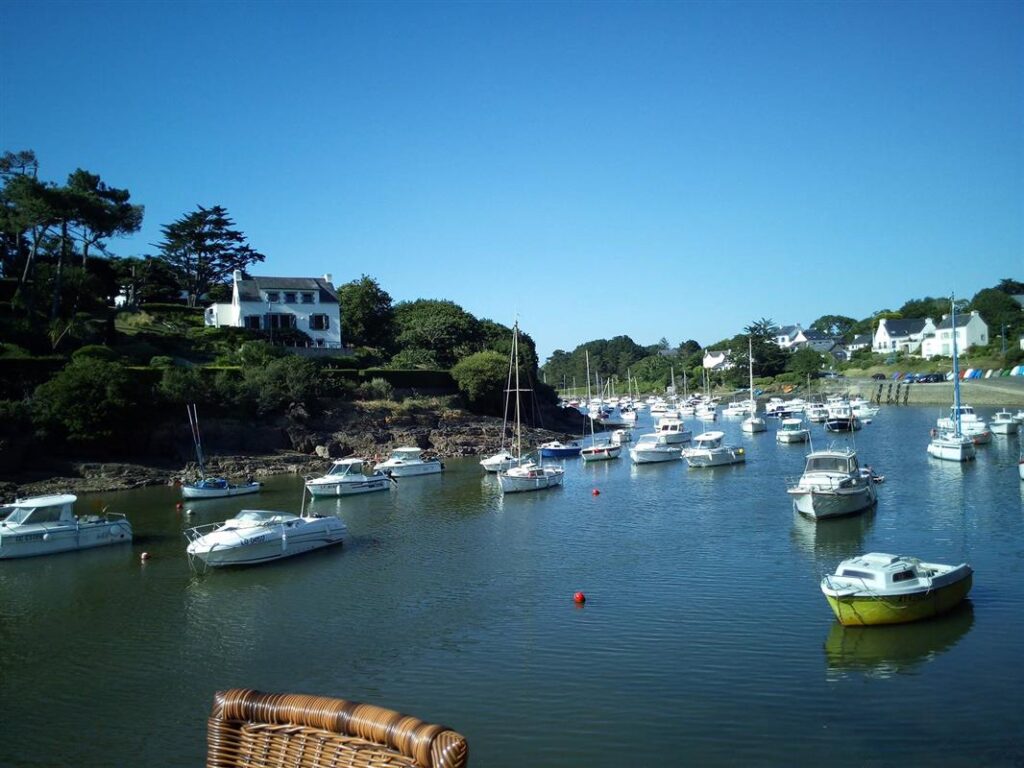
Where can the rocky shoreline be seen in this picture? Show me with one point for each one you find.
(294, 444)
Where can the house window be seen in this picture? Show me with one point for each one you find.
(319, 322)
(279, 321)
(307, 298)
(273, 296)
(252, 322)
(289, 298)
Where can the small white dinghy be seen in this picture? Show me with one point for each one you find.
(256, 536)
(46, 525)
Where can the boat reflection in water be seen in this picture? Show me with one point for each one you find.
(892, 649)
(833, 538)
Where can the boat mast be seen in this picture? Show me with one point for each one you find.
(956, 369)
(750, 360)
(193, 422)
(590, 416)
(515, 364)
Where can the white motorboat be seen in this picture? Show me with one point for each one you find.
(841, 418)
(1003, 423)
(672, 430)
(256, 536)
(653, 448)
(949, 442)
(527, 475)
(408, 462)
(620, 436)
(210, 487)
(738, 408)
(347, 477)
(217, 488)
(817, 412)
(500, 461)
(832, 485)
(708, 451)
(792, 431)
(970, 424)
(879, 588)
(46, 525)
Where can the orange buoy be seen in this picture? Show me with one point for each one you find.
(579, 598)
(595, 492)
(144, 556)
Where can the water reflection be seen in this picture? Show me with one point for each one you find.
(881, 652)
(839, 537)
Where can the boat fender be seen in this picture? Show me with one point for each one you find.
(46, 537)
(284, 542)
(741, 450)
(934, 432)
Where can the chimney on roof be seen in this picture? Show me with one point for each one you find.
(238, 275)
(974, 312)
(327, 278)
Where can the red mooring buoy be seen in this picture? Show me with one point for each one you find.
(595, 492)
(579, 598)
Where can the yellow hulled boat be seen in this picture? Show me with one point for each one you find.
(877, 588)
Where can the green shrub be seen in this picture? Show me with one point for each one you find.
(13, 350)
(182, 385)
(482, 378)
(376, 389)
(88, 402)
(161, 361)
(95, 352)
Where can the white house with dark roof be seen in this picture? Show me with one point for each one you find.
(308, 304)
(717, 361)
(901, 335)
(971, 331)
(816, 340)
(860, 341)
(786, 336)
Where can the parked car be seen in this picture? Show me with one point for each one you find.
(878, 376)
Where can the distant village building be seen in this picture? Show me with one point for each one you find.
(716, 361)
(859, 342)
(309, 304)
(786, 336)
(971, 331)
(901, 335)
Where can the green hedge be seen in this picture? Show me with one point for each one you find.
(414, 379)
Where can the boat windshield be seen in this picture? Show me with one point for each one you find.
(21, 515)
(348, 468)
(830, 464)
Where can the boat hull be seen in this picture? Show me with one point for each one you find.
(534, 480)
(951, 450)
(791, 437)
(197, 492)
(653, 455)
(842, 424)
(601, 452)
(350, 488)
(560, 453)
(821, 503)
(45, 539)
(704, 459)
(266, 546)
(411, 470)
(864, 610)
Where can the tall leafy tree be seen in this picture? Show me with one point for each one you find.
(99, 211)
(442, 328)
(203, 248)
(834, 325)
(367, 314)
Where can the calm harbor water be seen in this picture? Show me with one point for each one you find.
(704, 639)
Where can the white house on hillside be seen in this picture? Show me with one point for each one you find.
(971, 331)
(309, 304)
(716, 361)
(786, 336)
(901, 335)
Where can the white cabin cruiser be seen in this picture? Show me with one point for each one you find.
(792, 431)
(832, 485)
(347, 477)
(707, 451)
(256, 536)
(46, 525)
(652, 448)
(1003, 423)
(406, 462)
(673, 430)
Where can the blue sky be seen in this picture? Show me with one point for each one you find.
(649, 169)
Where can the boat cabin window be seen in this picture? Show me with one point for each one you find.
(854, 574)
(828, 464)
(903, 576)
(23, 515)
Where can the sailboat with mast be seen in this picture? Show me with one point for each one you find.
(952, 444)
(752, 423)
(504, 459)
(526, 475)
(210, 487)
(597, 451)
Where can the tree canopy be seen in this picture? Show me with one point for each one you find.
(203, 248)
(367, 314)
